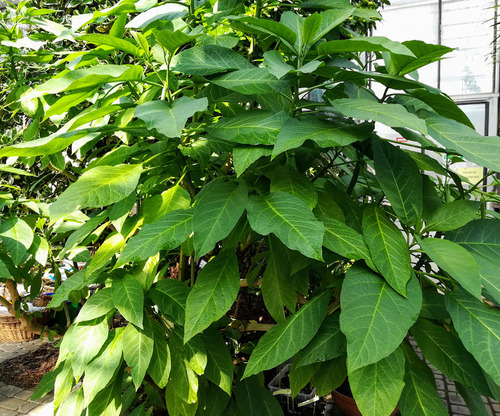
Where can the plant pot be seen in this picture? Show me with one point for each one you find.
(348, 405)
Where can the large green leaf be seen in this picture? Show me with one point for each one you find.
(425, 54)
(99, 372)
(378, 386)
(343, 240)
(364, 44)
(291, 181)
(97, 305)
(251, 81)
(255, 400)
(290, 219)
(17, 237)
(456, 261)
(445, 351)
(324, 133)
(392, 115)
(286, 339)
(478, 326)
(419, 396)
(160, 365)
(463, 139)
(218, 208)
(329, 19)
(128, 298)
(328, 343)
(250, 127)
(169, 118)
(88, 78)
(83, 342)
(219, 368)
(213, 294)
(453, 215)
(138, 347)
(481, 238)
(121, 44)
(388, 248)
(172, 199)
(166, 233)
(170, 296)
(373, 317)
(277, 288)
(208, 60)
(400, 179)
(97, 187)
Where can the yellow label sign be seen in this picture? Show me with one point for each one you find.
(473, 174)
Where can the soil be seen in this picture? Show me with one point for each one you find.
(26, 371)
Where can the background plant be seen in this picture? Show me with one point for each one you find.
(201, 173)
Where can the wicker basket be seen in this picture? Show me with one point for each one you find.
(10, 330)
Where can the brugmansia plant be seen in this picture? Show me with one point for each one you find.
(225, 172)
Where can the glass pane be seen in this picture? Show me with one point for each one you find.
(467, 26)
(477, 115)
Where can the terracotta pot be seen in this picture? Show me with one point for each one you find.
(348, 406)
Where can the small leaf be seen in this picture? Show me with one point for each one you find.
(17, 236)
(388, 248)
(376, 326)
(392, 115)
(213, 294)
(275, 61)
(97, 187)
(286, 339)
(290, 219)
(207, 60)
(453, 215)
(169, 119)
(400, 179)
(378, 386)
(138, 347)
(478, 326)
(128, 298)
(251, 81)
(218, 208)
(456, 261)
(97, 305)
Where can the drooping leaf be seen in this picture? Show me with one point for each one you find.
(392, 115)
(400, 179)
(277, 290)
(378, 386)
(173, 40)
(213, 294)
(453, 215)
(329, 19)
(75, 282)
(160, 365)
(97, 305)
(255, 400)
(128, 298)
(445, 351)
(73, 404)
(275, 61)
(245, 156)
(112, 245)
(343, 240)
(290, 219)
(419, 396)
(324, 133)
(169, 119)
(365, 44)
(170, 296)
(463, 139)
(165, 233)
(473, 400)
(207, 60)
(330, 375)
(286, 339)
(250, 127)
(115, 42)
(328, 343)
(97, 187)
(478, 326)
(456, 261)
(137, 350)
(100, 371)
(17, 237)
(172, 199)
(219, 368)
(375, 326)
(218, 208)
(299, 377)
(251, 81)
(388, 248)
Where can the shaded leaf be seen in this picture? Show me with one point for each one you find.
(17, 237)
(170, 296)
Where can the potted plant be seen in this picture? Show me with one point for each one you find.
(200, 169)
